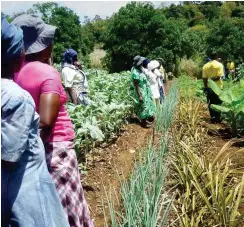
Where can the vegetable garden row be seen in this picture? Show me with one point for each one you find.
(182, 178)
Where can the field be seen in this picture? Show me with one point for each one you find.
(184, 171)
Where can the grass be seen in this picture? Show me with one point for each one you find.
(96, 57)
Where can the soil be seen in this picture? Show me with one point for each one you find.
(107, 164)
(110, 162)
(116, 160)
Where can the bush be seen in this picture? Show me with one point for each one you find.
(190, 68)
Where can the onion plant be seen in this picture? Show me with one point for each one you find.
(143, 198)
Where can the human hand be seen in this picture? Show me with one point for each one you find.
(140, 98)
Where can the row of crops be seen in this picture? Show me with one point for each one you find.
(176, 178)
(110, 106)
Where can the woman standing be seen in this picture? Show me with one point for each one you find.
(154, 80)
(144, 104)
(74, 79)
(28, 195)
(44, 84)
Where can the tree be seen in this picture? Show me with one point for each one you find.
(70, 33)
(138, 28)
(227, 39)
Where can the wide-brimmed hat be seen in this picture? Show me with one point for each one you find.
(140, 61)
(136, 58)
(37, 34)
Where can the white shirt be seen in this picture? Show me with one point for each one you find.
(74, 78)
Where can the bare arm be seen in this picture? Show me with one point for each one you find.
(205, 82)
(137, 89)
(72, 94)
(48, 111)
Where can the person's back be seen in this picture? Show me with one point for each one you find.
(213, 70)
(38, 78)
(230, 65)
(30, 197)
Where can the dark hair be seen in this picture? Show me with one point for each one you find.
(212, 54)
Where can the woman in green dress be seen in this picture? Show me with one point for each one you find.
(144, 105)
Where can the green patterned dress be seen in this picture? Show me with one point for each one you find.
(146, 108)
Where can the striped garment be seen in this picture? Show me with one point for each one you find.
(63, 167)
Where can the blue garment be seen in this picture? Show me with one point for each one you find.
(68, 56)
(12, 41)
(28, 195)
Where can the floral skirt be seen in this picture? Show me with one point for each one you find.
(63, 167)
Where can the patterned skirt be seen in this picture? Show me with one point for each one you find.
(63, 167)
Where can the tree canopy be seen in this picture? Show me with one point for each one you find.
(190, 29)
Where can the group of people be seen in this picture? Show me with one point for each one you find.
(40, 180)
(147, 87)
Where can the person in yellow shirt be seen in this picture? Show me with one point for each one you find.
(231, 68)
(213, 70)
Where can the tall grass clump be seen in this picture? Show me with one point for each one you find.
(189, 67)
(165, 111)
(143, 201)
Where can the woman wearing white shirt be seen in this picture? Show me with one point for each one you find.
(74, 79)
(154, 77)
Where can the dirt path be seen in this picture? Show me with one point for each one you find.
(116, 157)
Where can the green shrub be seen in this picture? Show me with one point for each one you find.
(190, 68)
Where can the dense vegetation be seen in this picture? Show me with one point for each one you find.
(189, 30)
(207, 191)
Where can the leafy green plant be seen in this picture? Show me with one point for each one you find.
(239, 73)
(110, 105)
(233, 104)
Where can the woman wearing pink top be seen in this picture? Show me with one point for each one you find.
(44, 84)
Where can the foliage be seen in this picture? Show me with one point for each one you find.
(209, 191)
(226, 39)
(232, 106)
(144, 202)
(188, 30)
(189, 67)
(103, 118)
(140, 29)
(190, 88)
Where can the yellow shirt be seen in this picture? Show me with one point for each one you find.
(230, 65)
(162, 70)
(213, 69)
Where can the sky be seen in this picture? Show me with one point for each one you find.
(81, 8)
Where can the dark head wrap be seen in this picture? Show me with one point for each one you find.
(145, 63)
(12, 41)
(69, 56)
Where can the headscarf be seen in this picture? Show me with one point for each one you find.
(145, 63)
(69, 57)
(12, 41)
